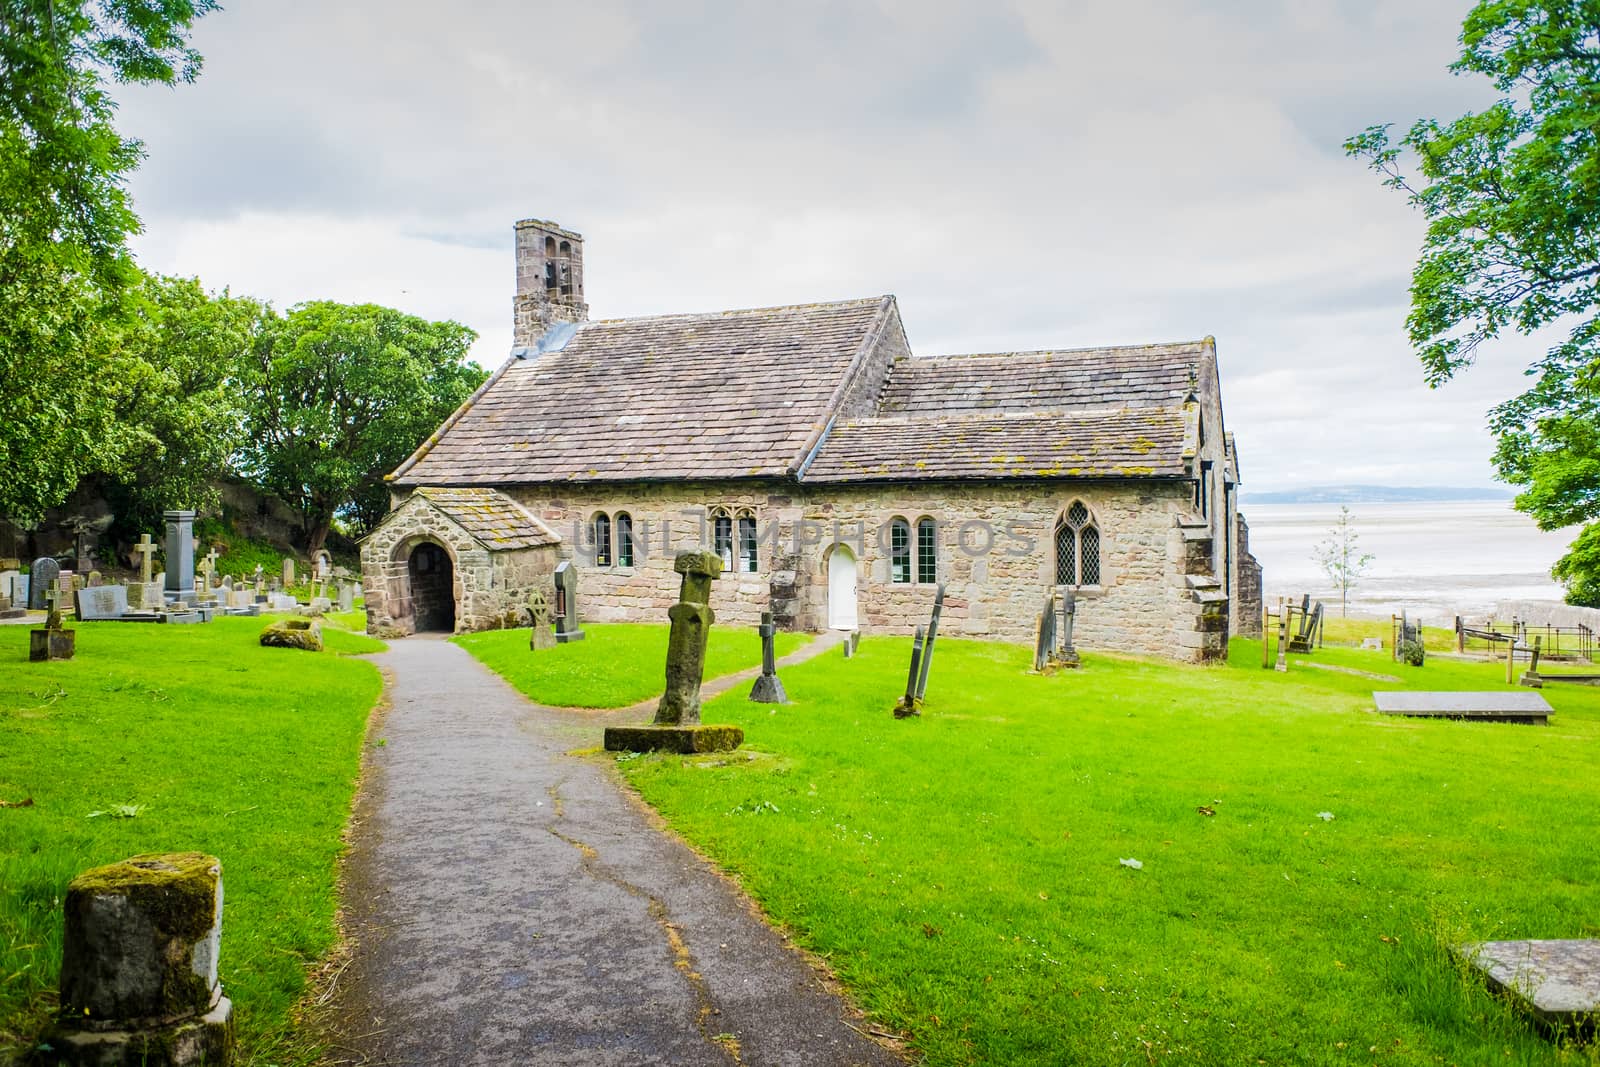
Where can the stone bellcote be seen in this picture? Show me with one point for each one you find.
(549, 279)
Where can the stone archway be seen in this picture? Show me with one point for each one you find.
(433, 594)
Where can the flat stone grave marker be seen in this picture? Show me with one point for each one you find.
(1558, 981)
(1490, 706)
(102, 603)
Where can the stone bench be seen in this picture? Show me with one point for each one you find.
(1487, 706)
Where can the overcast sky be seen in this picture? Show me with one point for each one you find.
(1020, 176)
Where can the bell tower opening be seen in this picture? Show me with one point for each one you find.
(549, 279)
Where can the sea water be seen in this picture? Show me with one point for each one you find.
(1436, 560)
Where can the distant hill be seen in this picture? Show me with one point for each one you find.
(1374, 494)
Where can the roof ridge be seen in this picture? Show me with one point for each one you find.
(998, 414)
(865, 301)
(1150, 347)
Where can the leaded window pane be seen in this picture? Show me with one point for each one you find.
(602, 540)
(1066, 555)
(722, 540)
(1089, 564)
(1077, 514)
(747, 544)
(624, 539)
(900, 552)
(927, 552)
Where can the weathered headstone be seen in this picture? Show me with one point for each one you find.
(909, 705)
(927, 648)
(1044, 645)
(53, 642)
(768, 689)
(288, 572)
(95, 579)
(538, 609)
(1065, 654)
(144, 593)
(677, 726)
(179, 556)
(139, 966)
(41, 577)
(347, 597)
(568, 624)
(104, 603)
(13, 601)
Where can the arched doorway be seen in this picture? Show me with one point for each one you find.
(433, 593)
(841, 589)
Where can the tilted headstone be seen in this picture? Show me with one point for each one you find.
(139, 965)
(42, 575)
(909, 705)
(538, 609)
(1044, 644)
(927, 648)
(768, 689)
(102, 603)
(568, 626)
(677, 725)
(179, 555)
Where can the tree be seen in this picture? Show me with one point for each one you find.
(64, 223)
(338, 395)
(1341, 560)
(175, 388)
(1512, 200)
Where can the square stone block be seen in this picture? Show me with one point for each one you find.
(706, 737)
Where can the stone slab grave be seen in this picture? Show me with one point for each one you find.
(1557, 981)
(1490, 706)
(677, 726)
(108, 603)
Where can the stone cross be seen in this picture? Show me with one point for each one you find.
(768, 689)
(146, 549)
(54, 596)
(927, 649)
(209, 565)
(908, 705)
(53, 642)
(686, 642)
(539, 617)
(1067, 655)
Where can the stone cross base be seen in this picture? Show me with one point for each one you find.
(565, 636)
(703, 737)
(208, 1040)
(768, 690)
(51, 644)
(1067, 660)
(907, 707)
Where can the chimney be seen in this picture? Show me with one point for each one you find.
(549, 280)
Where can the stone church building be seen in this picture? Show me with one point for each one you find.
(841, 477)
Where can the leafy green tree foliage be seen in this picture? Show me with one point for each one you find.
(175, 387)
(64, 221)
(1512, 200)
(1341, 558)
(338, 396)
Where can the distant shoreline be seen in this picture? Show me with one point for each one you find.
(1376, 494)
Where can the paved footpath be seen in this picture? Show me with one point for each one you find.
(511, 904)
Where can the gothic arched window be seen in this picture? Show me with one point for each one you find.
(749, 548)
(722, 537)
(1077, 547)
(602, 539)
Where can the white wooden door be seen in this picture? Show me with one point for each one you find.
(841, 589)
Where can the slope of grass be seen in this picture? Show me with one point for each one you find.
(1305, 862)
(616, 665)
(215, 745)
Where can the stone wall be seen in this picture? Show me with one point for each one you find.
(1246, 582)
(1158, 592)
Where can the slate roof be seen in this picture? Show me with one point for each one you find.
(726, 395)
(1006, 444)
(1083, 379)
(492, 517)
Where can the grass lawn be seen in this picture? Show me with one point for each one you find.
(616, 665)
(1356, 628)
(962, 872)
(219, 746)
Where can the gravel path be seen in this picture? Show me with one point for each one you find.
(511, 904)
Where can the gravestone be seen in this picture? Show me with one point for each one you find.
(1487, 706)
(538, 609)
(53, 642)
(288, 572)
(13, 600)
(852, 640)
(179, 556)
(568, 626)
(909, 705)
(768, 689)
(95, 578)
(1373, 643)
(677, 726)
(1066, 655)
(280, 602)
(1310, 624)
(347, 597)
(20, 586)
(41, 577)
(927, 648)
(1558, 982)
(1044, 643)
(105, 603)
(145, 593)
(139, 966)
